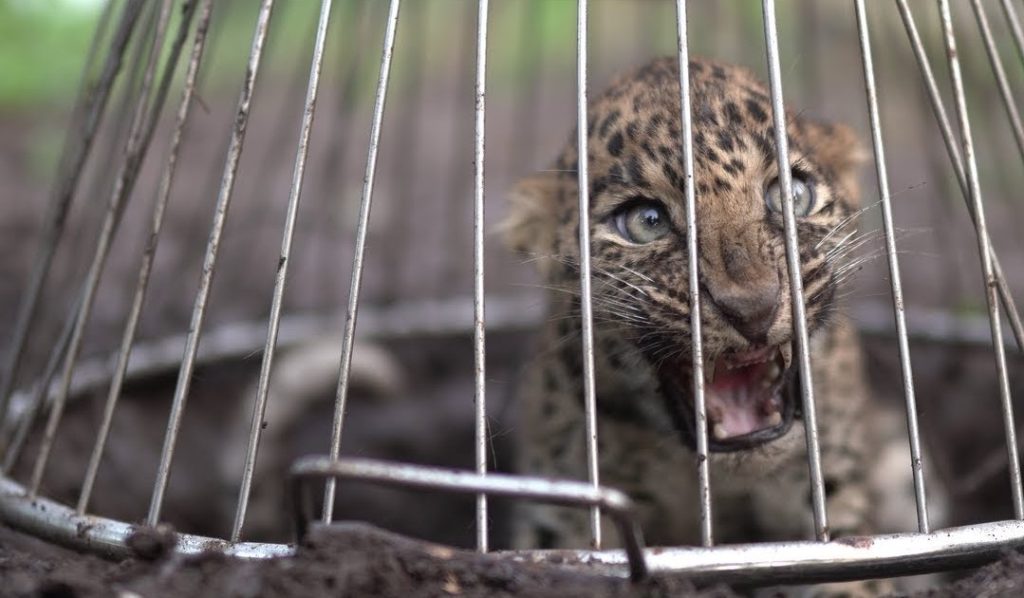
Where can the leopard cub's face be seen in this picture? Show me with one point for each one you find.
(640, 281)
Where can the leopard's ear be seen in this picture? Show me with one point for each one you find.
(532, 222)
(837, 147)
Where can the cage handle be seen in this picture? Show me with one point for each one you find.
(559, 492)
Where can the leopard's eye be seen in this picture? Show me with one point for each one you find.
(642, 222)
(803, 196)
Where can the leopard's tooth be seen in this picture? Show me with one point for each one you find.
(767, 381)
(774, 370)
(787, 354)
(720, 432)
(774, 419)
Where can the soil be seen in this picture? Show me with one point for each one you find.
(357, 560)
(1002, 578)
(345, 561)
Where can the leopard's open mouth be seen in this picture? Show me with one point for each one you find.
(748, 396)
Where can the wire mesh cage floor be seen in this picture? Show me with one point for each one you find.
(101, 260)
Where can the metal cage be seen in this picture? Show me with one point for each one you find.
(135, 60)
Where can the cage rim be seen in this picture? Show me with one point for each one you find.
(765, 562)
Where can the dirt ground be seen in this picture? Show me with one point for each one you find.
(357, 561)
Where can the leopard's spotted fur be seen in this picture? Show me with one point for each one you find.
(641, 312)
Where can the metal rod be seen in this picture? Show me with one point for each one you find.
(796, 286)
(586, 301)
(949, 139)
(145, 269)
(95, 103)
(960, 101)
(1001, 80)
(479, 353)
(274, 323)
(766, 563)
(697, 355)
(914, 435)
(352, 311)
(139, 136)
(561, 492)
(1014, 22)
(209, 263)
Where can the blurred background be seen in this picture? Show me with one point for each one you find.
(418, 280)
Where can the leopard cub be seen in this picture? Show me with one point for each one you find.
(641, 306)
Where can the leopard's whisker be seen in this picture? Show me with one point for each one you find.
(607, 274)
(846, 222)
(850, 243)
(638, 274)
(900, 234)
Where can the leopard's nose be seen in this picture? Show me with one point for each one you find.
(748, 290)
(750, 307)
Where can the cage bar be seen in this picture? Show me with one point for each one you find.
(274, 320)
(188, 361)
(796, 285)
(357, 261)
(696, 348)
(951, 143)
(895, 279)
(95, 104)
(145, 269)
(140, 133)
(586, 296)
(479, 322)
(974, 183)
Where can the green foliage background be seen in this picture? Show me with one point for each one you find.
(42, 48)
